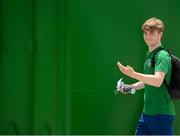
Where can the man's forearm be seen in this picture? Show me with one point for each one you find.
(153, 80)
(137, 86)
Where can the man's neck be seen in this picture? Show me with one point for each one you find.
(153, 47)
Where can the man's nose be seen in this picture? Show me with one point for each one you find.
(148, 36)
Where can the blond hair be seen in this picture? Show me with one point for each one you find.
(153, 24)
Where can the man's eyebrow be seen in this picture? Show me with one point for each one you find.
(145, 32)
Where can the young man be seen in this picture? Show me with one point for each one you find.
(158, 112)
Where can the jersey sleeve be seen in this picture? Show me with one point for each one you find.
(163, 62)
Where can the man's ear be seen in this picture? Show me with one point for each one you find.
(161, 34)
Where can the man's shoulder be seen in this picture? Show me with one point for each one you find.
(163, 54)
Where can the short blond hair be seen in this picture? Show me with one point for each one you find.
(153, 24)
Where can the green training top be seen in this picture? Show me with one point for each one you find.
(157, 99)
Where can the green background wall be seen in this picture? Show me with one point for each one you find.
(58, 63)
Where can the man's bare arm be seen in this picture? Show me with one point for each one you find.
(137, 86)
(153, 80)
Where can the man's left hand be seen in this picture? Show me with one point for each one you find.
(127, 70)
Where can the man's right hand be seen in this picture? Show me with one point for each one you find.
(121, 90)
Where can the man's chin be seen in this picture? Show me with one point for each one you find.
(150, 44)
